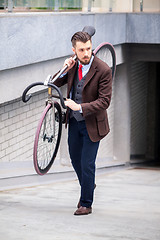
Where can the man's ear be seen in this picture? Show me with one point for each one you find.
(73, 49)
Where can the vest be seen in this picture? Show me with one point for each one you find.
(77, 96)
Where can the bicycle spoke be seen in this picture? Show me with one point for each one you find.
(48, 138)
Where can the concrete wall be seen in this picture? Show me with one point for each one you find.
(143, 28)
(29, 39)
(36, 37)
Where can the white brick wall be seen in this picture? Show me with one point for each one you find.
(18, 122)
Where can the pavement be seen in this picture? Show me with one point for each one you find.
(126, 207)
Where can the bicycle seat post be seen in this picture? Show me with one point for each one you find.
(48, 80)
(49, 94)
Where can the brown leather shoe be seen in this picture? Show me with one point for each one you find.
(83, 211)
(78, 205)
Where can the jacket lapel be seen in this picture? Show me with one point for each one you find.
(71, 75)
(93, 69)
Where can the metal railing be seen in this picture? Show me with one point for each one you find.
(41, 4)
(3, 4)
(81, 5)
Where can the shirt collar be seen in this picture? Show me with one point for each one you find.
(87, 65)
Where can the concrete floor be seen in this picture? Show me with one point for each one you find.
(126, 206)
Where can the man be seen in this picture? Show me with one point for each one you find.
(88, 97)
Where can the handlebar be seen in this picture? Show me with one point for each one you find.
(26, 98)
(47, 83)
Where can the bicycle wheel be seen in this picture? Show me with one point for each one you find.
(105, 51)
(47, 138)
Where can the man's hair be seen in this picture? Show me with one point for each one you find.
(80, 37)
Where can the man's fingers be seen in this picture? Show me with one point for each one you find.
(69, 62)
(71, 104)
(67, 102)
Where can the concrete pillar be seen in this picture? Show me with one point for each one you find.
(122, 115)
(89, 5)
(10, 5)
(141, 5)
(56, 5)
(86, 5)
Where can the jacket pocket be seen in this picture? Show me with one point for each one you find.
(102, 124)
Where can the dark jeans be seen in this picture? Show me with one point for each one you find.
(83, 154)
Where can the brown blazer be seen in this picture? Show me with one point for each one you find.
(96, 97)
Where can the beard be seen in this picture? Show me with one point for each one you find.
(85, 60)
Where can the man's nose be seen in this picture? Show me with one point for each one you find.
(86, 53)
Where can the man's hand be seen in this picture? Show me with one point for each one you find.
(69, 62)
(72, 105)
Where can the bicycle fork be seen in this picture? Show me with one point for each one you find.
(51, 120)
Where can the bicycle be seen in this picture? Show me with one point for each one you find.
(48, 134)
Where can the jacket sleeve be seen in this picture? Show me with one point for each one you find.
(103, 98)
(61, 80)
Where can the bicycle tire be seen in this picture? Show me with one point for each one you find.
(47, 138)
(105, 51)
